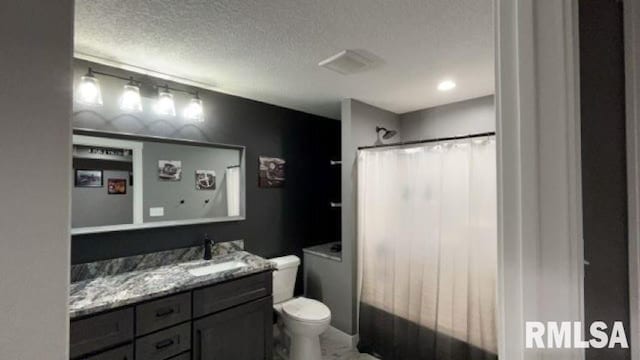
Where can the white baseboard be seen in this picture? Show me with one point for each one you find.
(343, 337)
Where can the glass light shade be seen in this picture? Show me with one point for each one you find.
(165, 104)
(88, 91)
(193, 111)
(130, 100)
(446, 85)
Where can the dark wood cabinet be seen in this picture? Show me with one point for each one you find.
(121, 353)
(100, 332)
(241, 333)
(164, 344)
(229, 320)
(162, 313)
(223, 296)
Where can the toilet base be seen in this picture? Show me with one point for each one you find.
(305, 348)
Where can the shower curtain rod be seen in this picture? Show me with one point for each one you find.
(402, 143)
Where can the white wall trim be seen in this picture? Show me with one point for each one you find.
(540, 248)
(632, 71)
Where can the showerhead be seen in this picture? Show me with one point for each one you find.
(386, 133)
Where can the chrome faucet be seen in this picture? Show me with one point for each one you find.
(207, 247)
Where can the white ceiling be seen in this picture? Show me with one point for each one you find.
(268, 50)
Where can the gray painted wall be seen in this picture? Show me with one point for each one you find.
(460, 118)
(36, 38)
(96, 207)
(168, 194)
(338, 280)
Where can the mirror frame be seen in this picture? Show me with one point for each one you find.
(134, 142)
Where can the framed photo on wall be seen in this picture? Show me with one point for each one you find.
(117, 186)
(88, 178)
(271, 172)
(205, 180)
(170, 170)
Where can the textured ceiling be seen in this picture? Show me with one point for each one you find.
(268, 50)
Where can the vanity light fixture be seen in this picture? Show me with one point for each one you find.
(88, 91)
(165, 104)
(446, 85)
(194, 111)
(130, 99)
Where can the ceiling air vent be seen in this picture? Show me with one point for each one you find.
(346, 62)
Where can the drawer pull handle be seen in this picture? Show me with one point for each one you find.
(164, 343)
(164, 312)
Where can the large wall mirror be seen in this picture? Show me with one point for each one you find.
(124, 182)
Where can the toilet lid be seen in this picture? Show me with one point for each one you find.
(304, 309)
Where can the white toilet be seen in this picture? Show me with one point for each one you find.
(300, 320)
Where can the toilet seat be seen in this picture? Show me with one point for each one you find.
(306, 310)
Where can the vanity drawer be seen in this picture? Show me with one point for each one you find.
(164, 344)
(159, 314)
(219, 297)
(100, 332)
(185, 356)
(121, 353)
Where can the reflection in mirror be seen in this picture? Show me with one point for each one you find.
(129, 182)
(183, 182)
(101, 192)
(103, 187)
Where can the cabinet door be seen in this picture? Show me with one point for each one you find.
(240, 333)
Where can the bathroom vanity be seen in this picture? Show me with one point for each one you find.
(173, 305)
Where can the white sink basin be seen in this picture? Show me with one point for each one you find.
(214, 268)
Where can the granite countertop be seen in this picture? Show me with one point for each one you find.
(324, 250)
(96, 293)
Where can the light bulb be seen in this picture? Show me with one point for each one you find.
(165, 104)
(193, 111)
(446, 85)
(88, 91)
(130, 100)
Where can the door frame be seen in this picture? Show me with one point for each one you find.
(632, 70)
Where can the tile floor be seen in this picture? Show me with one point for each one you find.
(334, 347)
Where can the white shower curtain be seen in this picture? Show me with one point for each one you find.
(233, 191)
(427, 248)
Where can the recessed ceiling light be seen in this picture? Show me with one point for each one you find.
(446, 85)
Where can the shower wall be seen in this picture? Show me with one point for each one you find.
(359, 121)
(465, 117)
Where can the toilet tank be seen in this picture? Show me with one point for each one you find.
(284, 277)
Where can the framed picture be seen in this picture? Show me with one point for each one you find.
(117, 186)
(88, 178)
(170, 170)
(205, 180)
(271, 172)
